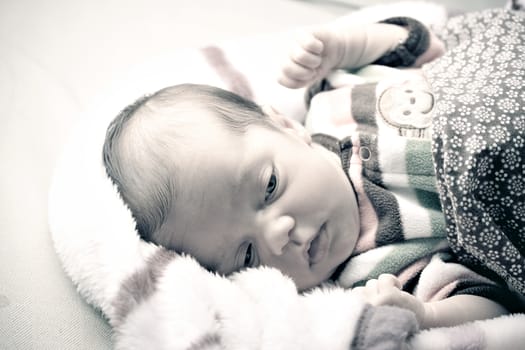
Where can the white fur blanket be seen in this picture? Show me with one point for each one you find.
(156, 299)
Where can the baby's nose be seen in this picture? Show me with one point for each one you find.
(277, 233)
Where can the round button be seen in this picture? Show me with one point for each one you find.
(364, 153)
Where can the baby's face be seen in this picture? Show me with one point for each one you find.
(267, 197)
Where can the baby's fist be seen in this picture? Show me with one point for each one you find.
(386, 290)
(301, 66)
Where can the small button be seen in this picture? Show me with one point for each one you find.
(364, 153)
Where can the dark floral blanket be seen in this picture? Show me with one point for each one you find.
(479, 140)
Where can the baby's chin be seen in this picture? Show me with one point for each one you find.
(314, 280)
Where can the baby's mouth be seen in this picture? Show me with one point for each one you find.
(318, 246)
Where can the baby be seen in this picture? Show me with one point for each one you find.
(209, 173)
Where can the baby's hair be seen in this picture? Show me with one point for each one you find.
(141, 144)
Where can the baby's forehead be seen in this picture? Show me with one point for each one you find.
(192, 135)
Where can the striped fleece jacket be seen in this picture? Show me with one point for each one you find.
(379, 123)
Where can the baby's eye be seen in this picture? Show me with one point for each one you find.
(249, 256)
(271, 187)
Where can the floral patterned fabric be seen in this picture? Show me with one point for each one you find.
(479, 140)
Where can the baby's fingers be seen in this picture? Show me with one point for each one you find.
(310, 43)
(305, 58)
(291, 83)
(386, 281)
(301, 66)
(295, 76)
(372, 286)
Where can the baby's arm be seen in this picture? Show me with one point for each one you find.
(343, 44)
(448, 312)
(459, 309)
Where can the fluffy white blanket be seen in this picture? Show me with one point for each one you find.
(156, 299)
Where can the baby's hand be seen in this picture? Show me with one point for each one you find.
(313, 56)
(386, 291)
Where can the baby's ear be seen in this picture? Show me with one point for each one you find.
(288, 124)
